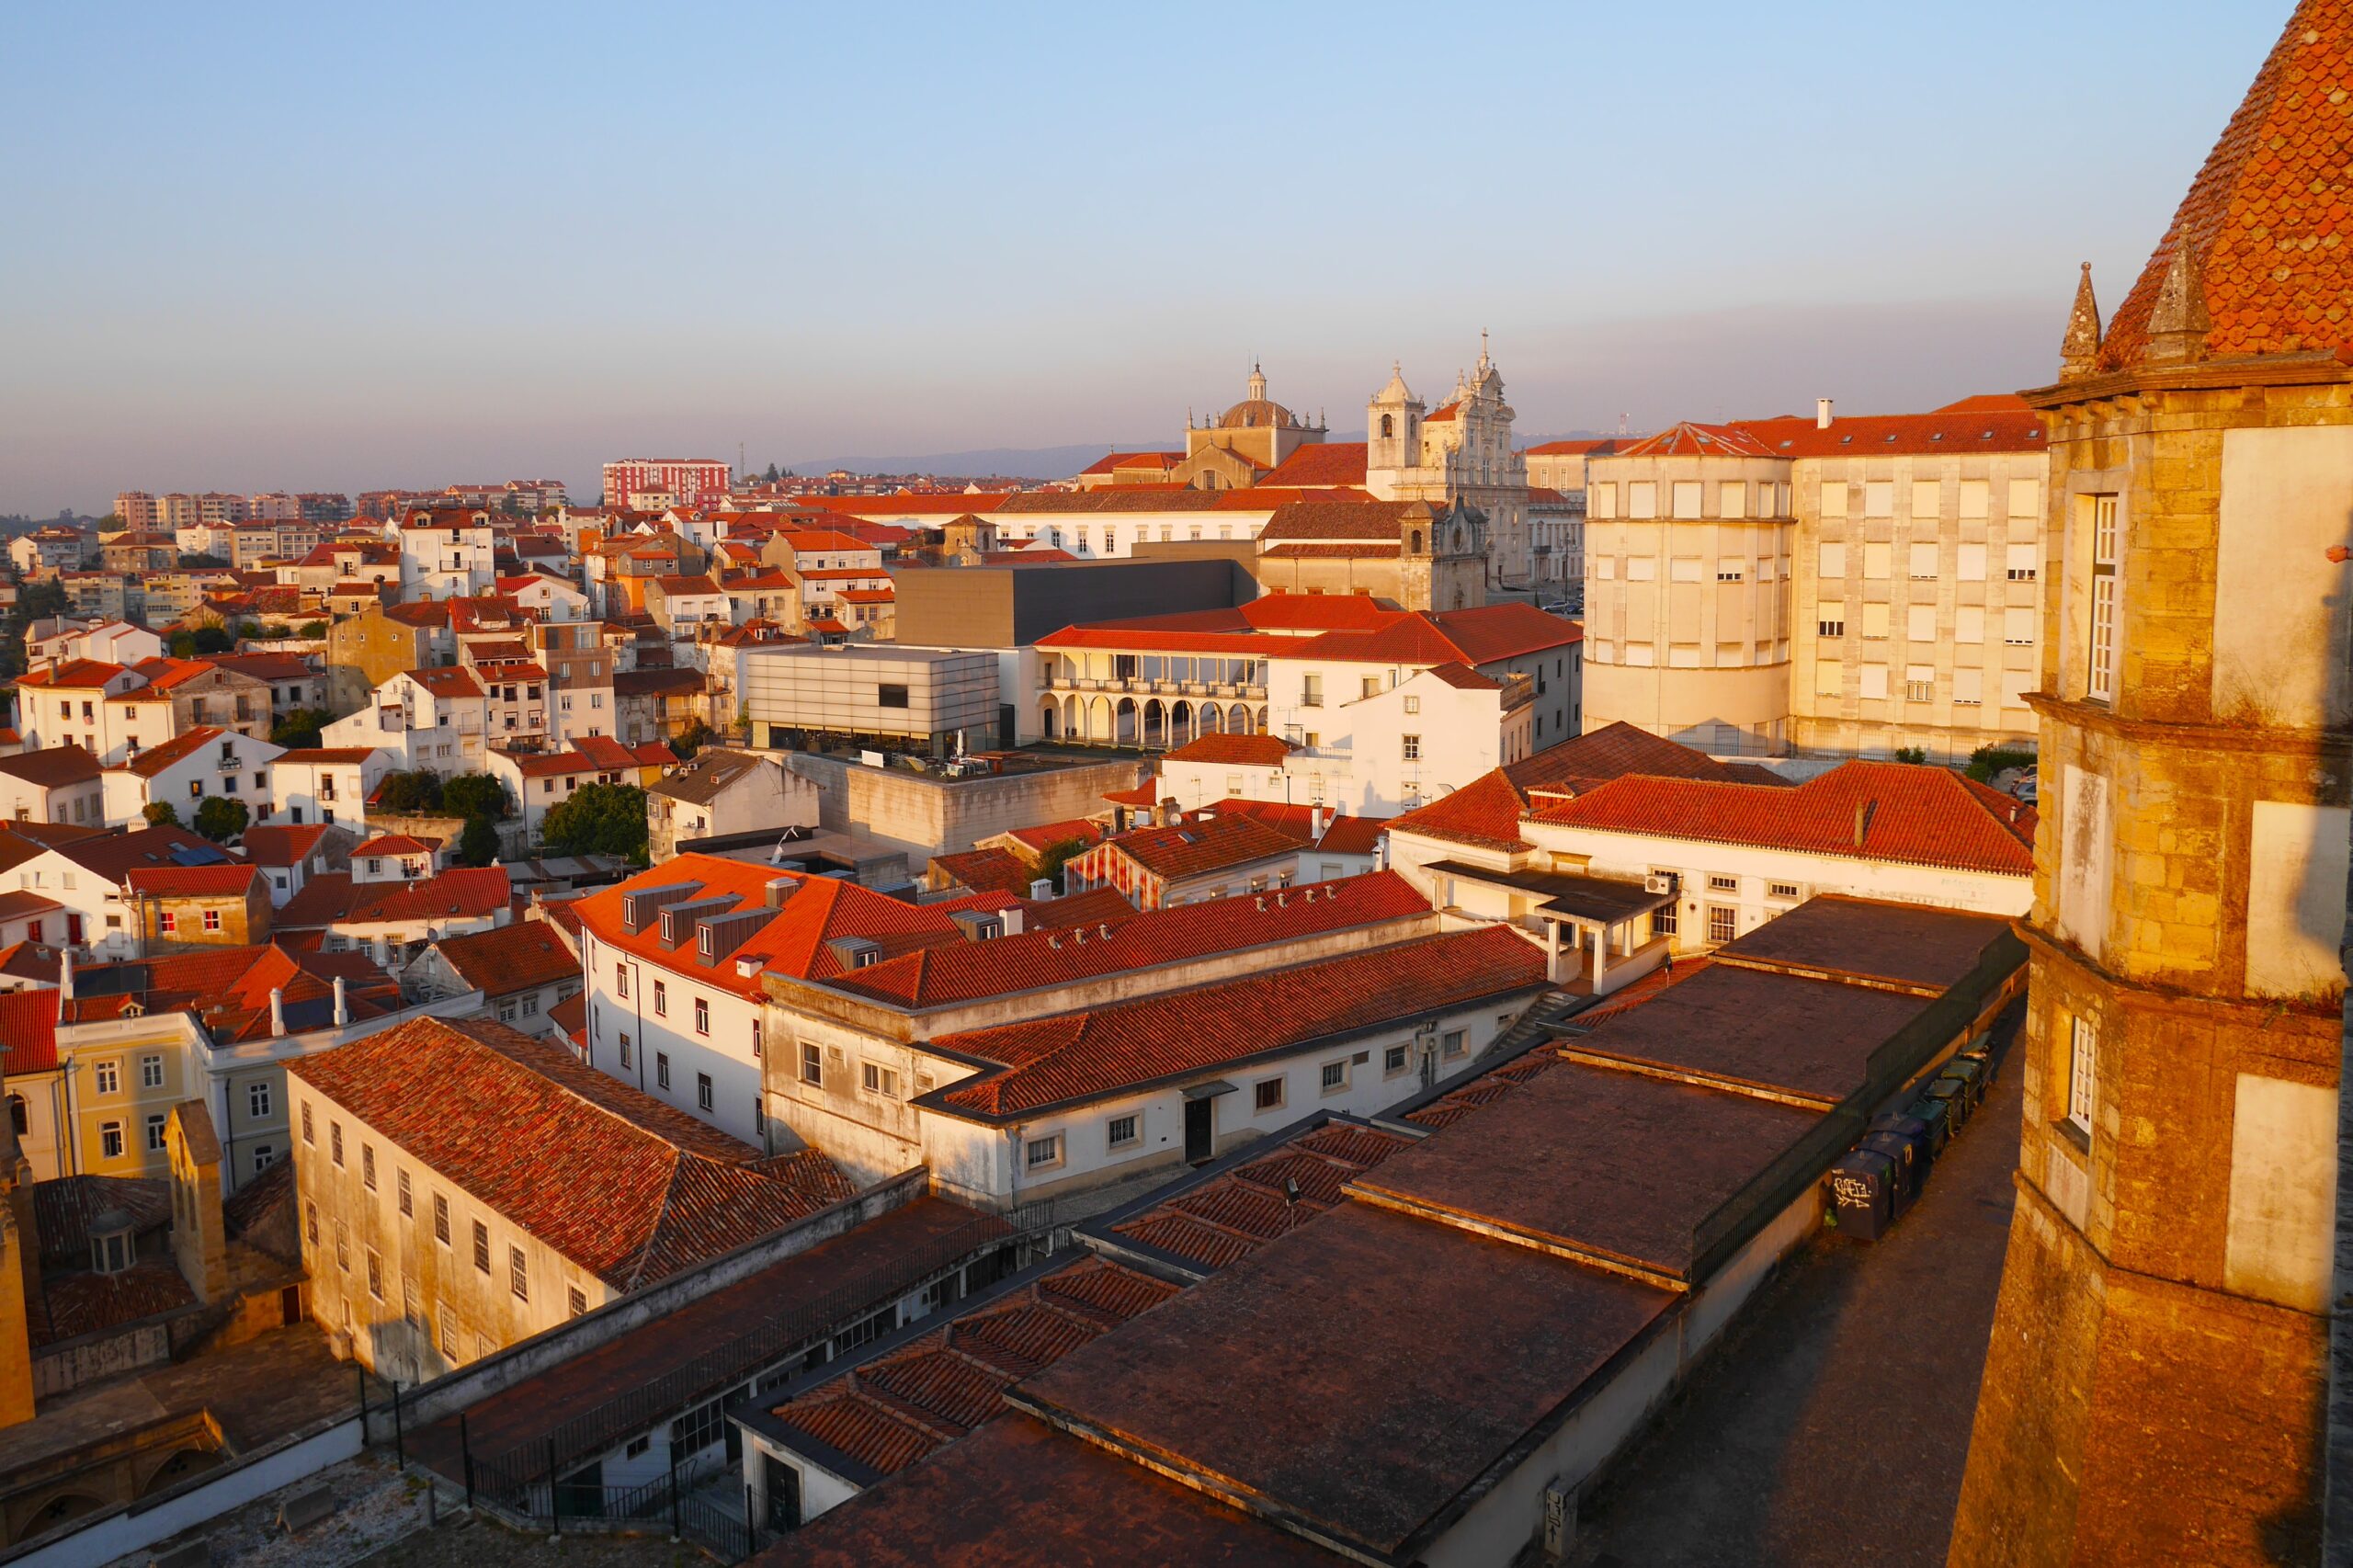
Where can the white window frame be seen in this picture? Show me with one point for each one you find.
(2106, 584)
(2082, 1072)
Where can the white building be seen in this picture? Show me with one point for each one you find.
(446, 554)
(185, 770)
(326, 785)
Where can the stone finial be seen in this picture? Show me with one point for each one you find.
(2079, 350)
(2178, 321)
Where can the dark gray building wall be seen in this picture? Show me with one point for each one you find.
(1011, 606)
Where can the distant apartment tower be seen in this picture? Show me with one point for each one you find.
(688, 482)
(140, 512)
(325, 506)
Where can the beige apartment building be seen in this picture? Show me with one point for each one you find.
(1886, 601)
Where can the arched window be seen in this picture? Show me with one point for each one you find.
(1414, 544)
(1387, 425)
(20, 1115)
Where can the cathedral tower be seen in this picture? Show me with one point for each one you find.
(2154, 1388)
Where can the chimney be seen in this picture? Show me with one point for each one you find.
(1821, 413)
(1041, 890)
(1323, 820)
(277, 1010)
(342, 1004)
(65, 974)
(1862, 819)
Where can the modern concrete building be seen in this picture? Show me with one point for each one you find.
(929, 698)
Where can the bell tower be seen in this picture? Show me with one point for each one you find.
(1392, 436)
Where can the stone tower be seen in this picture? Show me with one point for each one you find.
(1393, 432)
(2154, 1388)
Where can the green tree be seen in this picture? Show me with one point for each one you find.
(214, 639)
(695, 736)
(478, 845)
(418, 792)
(35, 601)
(221, 818)
(190, 561)
(771, 473)
(1986, 761)
(1914, 755)
(313, 631)
(475, 795)
(163, 813)
(1057, 856)
(603, 819)
(272, 632)
(300, 728)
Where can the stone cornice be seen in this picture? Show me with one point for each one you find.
(2329, 746)
(2153, 996)
(2320, 367)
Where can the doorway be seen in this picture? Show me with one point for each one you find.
(290, 1306)
(1201, 1136)
(784, 1493)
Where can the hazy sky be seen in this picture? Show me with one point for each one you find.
(342, 248)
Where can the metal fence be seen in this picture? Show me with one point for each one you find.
(521, 1477)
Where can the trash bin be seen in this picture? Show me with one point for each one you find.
(1904, 1155)
(1954, 1093)
(1863, 1194)
(1971, 1074)
(1984, 1054)
(1937, 1116)
(1911, 1128)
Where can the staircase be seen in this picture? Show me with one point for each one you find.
(1553, 1004)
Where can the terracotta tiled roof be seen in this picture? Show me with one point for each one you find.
(75, 672)
(313, 757)
(331, 898)
(1319, 464)
(228, 989)
(1332, 551)
(1594, 448)
(1955, 431)
(1196, 846)
(1370, 521)
(1082, 1055)
(392, 844)
(1112, 461)
(519, 957)
(1313, 612)
(179, 749)
(2264, 220)
(1234, 1215)
(448, 680)
(193, 881)
(86, 1302)
(1485, 1089)
(608, 753)
(282, 843)
(1238, 750)
(1693, 440)
(814, 911)
(52, 766)
(1919, 814)
(985, 870)
(1487, 812)
(1065, 940)
(616, 1181)
(897, 1408)
(115, 854)
(29, 1028)
(1042, 836)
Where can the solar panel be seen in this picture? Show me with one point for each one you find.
(196, 854)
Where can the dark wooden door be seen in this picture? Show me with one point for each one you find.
(1201, 1117)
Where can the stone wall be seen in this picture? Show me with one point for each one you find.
(927, 816)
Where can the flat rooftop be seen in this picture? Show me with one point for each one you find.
(1758, 1031)
(1870, 939)
(1587, 898)
(1359, 1374)
(1016, 1492)
(1622, 1166)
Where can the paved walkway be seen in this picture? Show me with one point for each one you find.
(1832, 1429)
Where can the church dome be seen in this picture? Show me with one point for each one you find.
(1256, 411)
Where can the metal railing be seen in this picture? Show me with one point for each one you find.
(511, 1475)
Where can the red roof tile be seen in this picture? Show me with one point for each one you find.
(1918, 815)
(1103, 1050)
(615, 1180)
(331, 898)
(28, 1030)
(518, 957)
(1320, 464)
(1487, 812)
(1191, 848)
(282, 844)
(194, 881)
(2264, 220)
(1239, 750)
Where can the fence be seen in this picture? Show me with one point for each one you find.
(519, 1477)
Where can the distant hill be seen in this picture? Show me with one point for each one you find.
(1013, 462)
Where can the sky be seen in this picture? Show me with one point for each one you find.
(350, 247)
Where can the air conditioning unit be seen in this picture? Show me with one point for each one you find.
(1661, 881)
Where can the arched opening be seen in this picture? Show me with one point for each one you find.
(65, 1506)
(1049, 719)
(1415, 545)
(1098, 721)
(20, 1115)
(177, 1466)
(1180, 724)
(1156, 725)
(1212, 719)
(1125, 722)
(1387, 425)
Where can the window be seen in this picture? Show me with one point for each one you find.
(1685, 497)
(1335, 1076)
(310, 1222)
(448, 1334)
(265, 1157)
(1927, 498)
(213, 920)
(1042, 1152)
(2026, 498)
(481, 1247)
(2021, 560)
(661, 999)
(151, 1072)
(1879, 498)
(1119, 1131)
(702, 1015)
(375, 1275)
(440, 1218)
(1920, 623)
(334, 1142)
(1875, 620)
(620, 981)
(306, 1127)
(2017, 627)
(1453, 1044)
(1969, 563)
(2100, 677)
(1663, 921)
(368, 1166)
(703, 1090)
(1683, 569)
(1973, 499)
(891, 696)
(1731, 572)
(1834, 560)
(1413, 704)
(1834, 498)
(1641, 498)
(1267, 1094)
(1723, 884)
(1310, 690)
(1392, 1061)
(1731, 498)
(258, 1099)
(812, 1066)
(1780, 890)
(1923, 560)
(1603, 499)
(519, 1274)
(880, 1080)
(1412, 745)
(109, 1077)
(1831, 618)
(625, 1051)
(662, 1069)
(1969, 623)
(1723, 922)
(1919, 683)
(1968, 688)
(578, 1299)
(342, 1248)
(1879, 560)
(2083, 1074)
(1642, 569)
(154, 1132)
(1874, 680)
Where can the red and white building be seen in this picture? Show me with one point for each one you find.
(671, 482)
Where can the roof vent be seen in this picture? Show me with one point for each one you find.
(1105, 930)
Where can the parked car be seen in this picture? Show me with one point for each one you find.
(2025, 788)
